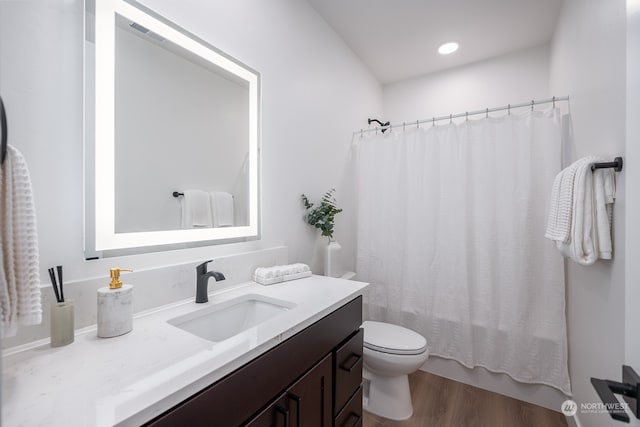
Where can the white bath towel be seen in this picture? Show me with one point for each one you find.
(196, 209)
(222, 209)
(561, 204)
(20, 298)
(590, 232)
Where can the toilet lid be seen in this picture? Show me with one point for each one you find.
(392, 339)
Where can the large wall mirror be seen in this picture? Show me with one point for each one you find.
(171, 134)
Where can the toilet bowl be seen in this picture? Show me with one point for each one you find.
(391, 353)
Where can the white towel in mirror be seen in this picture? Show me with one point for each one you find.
(222, 209)
(196, 209)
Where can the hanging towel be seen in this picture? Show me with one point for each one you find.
(222, 208)
(561, 205)
(196, 209)
(589, 226)
(20, 298)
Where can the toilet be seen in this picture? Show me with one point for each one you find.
(391, 353)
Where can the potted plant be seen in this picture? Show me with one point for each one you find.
(322, 217)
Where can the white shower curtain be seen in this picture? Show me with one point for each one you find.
(450, 229)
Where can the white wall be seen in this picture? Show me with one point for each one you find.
(315, 91)
(588, 62)
(632, 158)
(633, 175)
(508, 79)
(179, 126)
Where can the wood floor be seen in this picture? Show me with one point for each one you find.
(440, 402)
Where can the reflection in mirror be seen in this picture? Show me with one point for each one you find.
(181, 124)
(171, 135)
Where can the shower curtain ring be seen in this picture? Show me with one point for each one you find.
(532, 102)
(487, 113)
(509, 109)
(554, 101)
(417, 124)
(403, 127)
(361, 133)
(433, 121)
(466, 116)
(450, 118)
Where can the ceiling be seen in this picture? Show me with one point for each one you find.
(399, 39)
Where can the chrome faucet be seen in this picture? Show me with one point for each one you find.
(202, 277)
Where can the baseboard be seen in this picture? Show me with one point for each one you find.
(573, 421)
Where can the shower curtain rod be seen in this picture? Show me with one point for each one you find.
(467, 114)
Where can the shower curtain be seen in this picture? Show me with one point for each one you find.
(450, 234)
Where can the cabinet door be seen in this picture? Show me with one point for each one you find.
(275, 415)
(310, 397)
(348, 370)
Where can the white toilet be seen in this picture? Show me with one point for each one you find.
(391, 353)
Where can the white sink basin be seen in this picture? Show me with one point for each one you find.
(219, 322)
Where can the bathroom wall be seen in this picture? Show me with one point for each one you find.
(632, 270)
(508, 79)
(314, 92)
(588, 62)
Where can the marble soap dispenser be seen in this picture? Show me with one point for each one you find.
(115, 308)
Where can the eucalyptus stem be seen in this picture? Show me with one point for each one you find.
(322, 217)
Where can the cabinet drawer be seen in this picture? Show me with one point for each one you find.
(351, 415)
(348, 370)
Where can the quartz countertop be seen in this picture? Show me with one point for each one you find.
(130, 379)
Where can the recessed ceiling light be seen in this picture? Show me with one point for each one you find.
(448, 48)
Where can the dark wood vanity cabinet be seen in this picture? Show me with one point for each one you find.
(312, 379)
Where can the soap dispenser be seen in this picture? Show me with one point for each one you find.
(115, 308)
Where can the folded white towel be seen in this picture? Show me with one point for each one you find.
(20, 298)
(561, 204)
(196, 209)
(281, 273)
(590, 232)
(222, 209)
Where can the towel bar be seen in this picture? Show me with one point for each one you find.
(616, 165)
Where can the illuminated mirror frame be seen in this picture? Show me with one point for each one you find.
(106, 237)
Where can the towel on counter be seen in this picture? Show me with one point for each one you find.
(222, 209)
(589, 225)
(196, 209)
(20, 298)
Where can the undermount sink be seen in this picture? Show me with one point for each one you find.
(224, 320)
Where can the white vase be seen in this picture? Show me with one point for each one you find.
(333, 259)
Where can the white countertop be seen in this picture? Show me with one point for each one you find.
(130, 379)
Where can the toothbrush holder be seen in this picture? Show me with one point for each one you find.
(62, 323)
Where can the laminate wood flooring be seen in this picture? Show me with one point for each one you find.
(441, 402)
